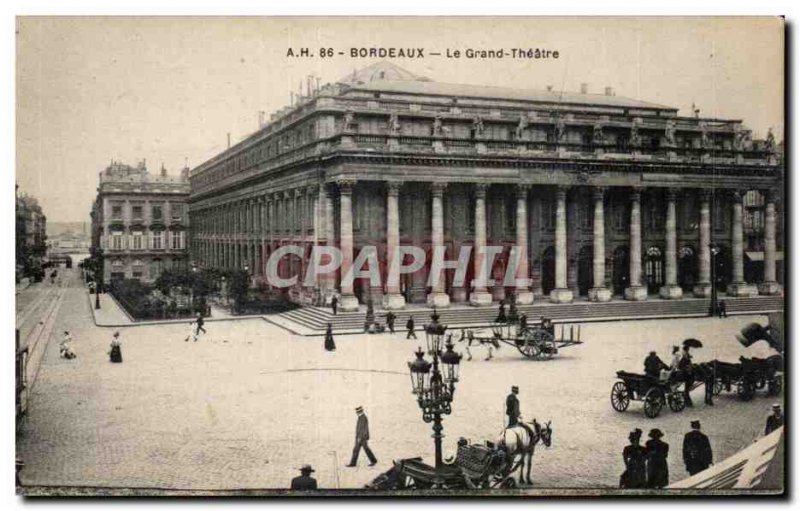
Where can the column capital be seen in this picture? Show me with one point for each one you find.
(312, 189)
(393, 187)
(437, 188)
(599, 192)
(299, 192)
(287, 194)
(480, 190)
(522, 190)
(736, 196)
(705, 195)
(636, 194)
(561, 191)
(671, 194)
(771, 195)
(346, 185)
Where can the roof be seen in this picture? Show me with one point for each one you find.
(387, 77)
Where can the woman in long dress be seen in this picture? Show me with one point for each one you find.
(635, 458)
(657, 467)
(116, 350)
(329, 344)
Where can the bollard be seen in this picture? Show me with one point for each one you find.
(579, 333)
(571, 327)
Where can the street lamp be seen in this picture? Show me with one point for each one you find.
(434, 388)
(712, 307)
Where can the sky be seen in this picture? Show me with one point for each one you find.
(170, 89)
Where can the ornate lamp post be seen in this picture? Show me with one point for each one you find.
(433, 387)
(712, 307)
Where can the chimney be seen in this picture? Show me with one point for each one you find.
(163, 170)
(261, 115)
(229, 140)
(609, 91)
(549, 88)
(584, 88)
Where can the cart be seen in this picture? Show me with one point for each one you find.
(748, 376)
(539, 342)
(653, 392)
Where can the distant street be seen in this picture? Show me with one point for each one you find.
(250, 403)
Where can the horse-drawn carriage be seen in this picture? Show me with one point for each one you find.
(537, 342)
(749, 375)
(475, 466)
(654, 392)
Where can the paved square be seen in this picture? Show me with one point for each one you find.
(248, 404)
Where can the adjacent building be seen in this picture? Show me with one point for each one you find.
(31, 235)
(606, 196)
(140, 222)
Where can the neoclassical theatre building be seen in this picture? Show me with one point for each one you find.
(608, 197)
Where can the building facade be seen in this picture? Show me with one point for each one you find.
(31, 237)
(605, 196)
(140, 222)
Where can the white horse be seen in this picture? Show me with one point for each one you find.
(521, 439)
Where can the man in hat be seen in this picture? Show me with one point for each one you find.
(697, 455)
(390, 317)
(362, 437)
(410, 328)
(304, 481)
(775, 420)
(512, 407)
(653, 365)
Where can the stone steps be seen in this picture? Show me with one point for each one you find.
(314, 319)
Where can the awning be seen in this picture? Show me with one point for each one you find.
(759, 256)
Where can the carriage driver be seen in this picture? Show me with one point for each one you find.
(512, 407)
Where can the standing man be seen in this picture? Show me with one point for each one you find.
(390, 317)
(304, 481)
(775, 420)
(697, 454)
(334, 304)
(362, 437)
(512, 407)
(410, 328)
(722, 309)
(200, 323)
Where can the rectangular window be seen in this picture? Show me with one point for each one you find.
(156, 212)
(136, 241)
(157, 240)
(177, 240)
(137, 212)
(116, 211)
(177, 212)
(116, 241)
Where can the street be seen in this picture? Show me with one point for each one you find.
(250, 403)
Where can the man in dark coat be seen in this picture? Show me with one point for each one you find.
(362, 437)
(330, 344)
(722, 309)
(334, 304)
(657, 468)
(687, 375)
(512, 406)
(523, 322)
(390, 317)
(200, 323)
(501, 313)
(697, 454)
(410, 328)
(775, 420)
(653, 365)
(304, 481)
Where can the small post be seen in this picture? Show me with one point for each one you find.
(571, 327)
(579, 332)
(562, 331)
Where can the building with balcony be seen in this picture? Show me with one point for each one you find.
(605, 196)
(140, 222)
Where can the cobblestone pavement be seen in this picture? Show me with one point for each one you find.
(249, 403)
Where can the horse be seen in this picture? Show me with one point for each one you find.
(521, 440)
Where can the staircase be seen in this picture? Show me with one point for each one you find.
(313, 320)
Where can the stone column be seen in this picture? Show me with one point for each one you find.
(393, 299)
(671, 289)
(599, 293)
(738, 287)
(770, 285)
(437, 297)
(524, 295)
(348, 300)
(703, 287)
(561, 293)
(330, 236)
(636, 291)
(479, 295)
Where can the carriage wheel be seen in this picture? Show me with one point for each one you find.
(535, 340)
(676, 401)
(745, 389)
(530, 349)
(718, 386)
(774, 387)
(619, 397)
(653, 402)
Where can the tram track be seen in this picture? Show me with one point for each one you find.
(48, 306)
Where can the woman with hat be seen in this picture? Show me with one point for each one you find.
(116, 350)
(330, 345)
(634, 456)
(657, 451)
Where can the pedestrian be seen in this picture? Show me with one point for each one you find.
(200, 322)
(635, 458)
(115, 354)
(192, 332)
(304, 481)
(709, 379)
(329, 344)
(722, 309)
(523, 322)
(687, 375)
(653, 365)
(65, 347)
(362, 439)
(512, 407)
(410, 328)
(501, 313)
(657, 451)
(390, 317)
(697, 455)
(334, 304)
(775, 420)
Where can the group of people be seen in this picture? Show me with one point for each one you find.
(305, 481)
(680, 369)
(646, 465)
